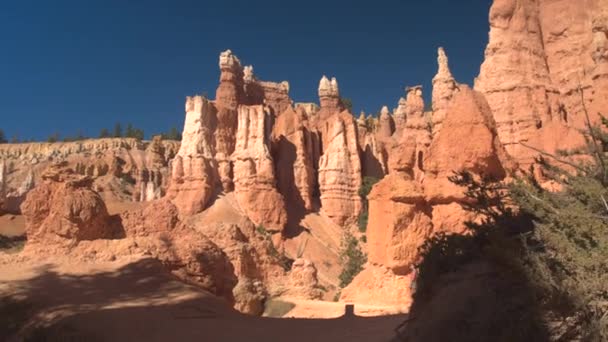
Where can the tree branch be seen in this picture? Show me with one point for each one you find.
(553, 157)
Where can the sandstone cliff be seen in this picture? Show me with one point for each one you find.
(122, 169)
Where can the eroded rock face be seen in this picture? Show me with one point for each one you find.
(539, 54)
(417, 128)
(195, 172)
(254, 176)
(444, 87)
(409, 206)
(187, 253)
(386, 125)
(293, 151)
(340, 170)
(63, 207)
(329, 95)
(122, 169)
(303, 282)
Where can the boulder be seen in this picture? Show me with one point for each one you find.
(64, 209)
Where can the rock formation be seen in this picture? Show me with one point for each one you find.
(329, 98)
(195, 173)
(539, 54)
(303, 282)
(444, 87)
(386, 125)
(254, 176)
(408, 206)
(63, 206)
(293, 146)
(252, 165)
(122, 169)
(340, 170)
(417, 129)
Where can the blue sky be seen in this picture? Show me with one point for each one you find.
(67, 66)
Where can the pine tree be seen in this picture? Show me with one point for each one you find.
(174, 134)
(553, 242)
(137, 134)
(104, 133)
(117, 133)
(53, 137)
(2, 137)
(130, 132)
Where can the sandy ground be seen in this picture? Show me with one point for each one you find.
(324, 309)
(135, 300)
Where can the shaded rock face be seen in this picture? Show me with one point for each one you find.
(122, 169)
(540, 52)
(190, 255)
(257, 272)
(254, 177)
(340, 170)
(64, 207)
(293, 152)
(272, 94)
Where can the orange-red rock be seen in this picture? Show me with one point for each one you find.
(340, 170)
(444, 87)
(417, 200)
(303, 282)
(292, 145)
(64, 209)
(539, 54)
(254, 176)
(185, 252)
(194, 176)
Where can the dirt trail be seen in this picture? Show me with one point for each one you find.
(135, 300)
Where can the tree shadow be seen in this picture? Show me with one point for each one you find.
(467, 291)
(141, 301)
(476, 286)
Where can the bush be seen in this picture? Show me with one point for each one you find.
(364, 190)
(283, 260)
(347, 103)
(352, 259)
(554, 243)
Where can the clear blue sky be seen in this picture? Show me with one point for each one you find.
(70, 65)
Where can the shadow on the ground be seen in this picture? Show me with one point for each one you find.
(470, 289)
(140, 301)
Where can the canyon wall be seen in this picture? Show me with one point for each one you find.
(123, 169)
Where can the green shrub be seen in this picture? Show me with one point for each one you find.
(352, 259)
(364, 190)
